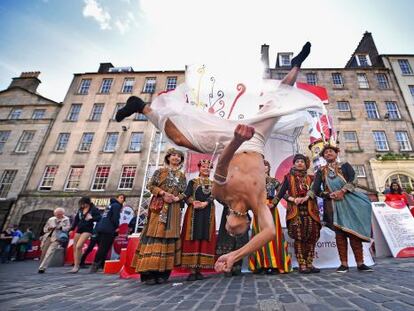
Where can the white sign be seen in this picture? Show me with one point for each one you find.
(127, 213)
(396, 226)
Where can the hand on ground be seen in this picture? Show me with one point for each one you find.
(224, 263)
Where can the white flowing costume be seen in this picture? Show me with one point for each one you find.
(283, 108)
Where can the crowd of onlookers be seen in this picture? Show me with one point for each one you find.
(14, 243)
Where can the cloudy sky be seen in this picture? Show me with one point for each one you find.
(62, 37)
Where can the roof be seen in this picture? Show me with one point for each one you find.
(32, 93)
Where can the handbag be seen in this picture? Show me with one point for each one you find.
(63, 237)
(156, 203)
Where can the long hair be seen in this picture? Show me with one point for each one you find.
(398, 191)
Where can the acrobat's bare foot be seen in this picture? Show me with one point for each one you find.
(133, 105)
(298, 60)
(243, 132)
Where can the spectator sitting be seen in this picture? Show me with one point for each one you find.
(16, 235)
(24, 243)
(50, 240)
(5, 243)
(396, 193)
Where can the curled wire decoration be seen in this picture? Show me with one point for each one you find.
(241, 116)
(220, 101)
(222, 105)
(241, 88)
(222, 113)
(211, 94)
(201, 72)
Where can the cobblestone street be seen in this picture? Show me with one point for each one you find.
(390, 287)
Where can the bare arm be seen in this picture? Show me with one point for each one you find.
(266, 234)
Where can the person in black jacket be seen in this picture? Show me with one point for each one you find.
(106, 230)
(83, 223)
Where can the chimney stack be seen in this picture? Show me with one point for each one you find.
(27, 80)
(264, 55)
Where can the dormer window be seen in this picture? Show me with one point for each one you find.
(363, 60)
(284, 59)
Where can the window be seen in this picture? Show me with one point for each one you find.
(359, 171)
(372, 111)
(311, 78)
(337, 80)
(84, 86)
(362, 81)
(363, 60)
(127, 177)
(135, 144)
(110, 142)
(392, 110)
(74, 112)
(128, 85)
(403, 141)
(118, 106)
(149, 86)
(15, 114)
(4, 136)
(405, 181)
(351, 140)
(380, 139)
(350, 137)
(101, 177)
(159, 140)
(171, 83)
(38, 114)
(62, 141)
(411, 87)
(6, 182)
(106, 86)
(285, 60)
(344, 106)
(48, 178)
(382, 81)
(96, 112)
(74, 178)
(405, 67)
(24, 141)
(140, 117)
(86, 142)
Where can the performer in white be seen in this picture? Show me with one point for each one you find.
(239, 179)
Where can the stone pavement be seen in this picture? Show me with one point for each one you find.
(390, 287)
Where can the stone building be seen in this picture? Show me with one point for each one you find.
(26, 119)
(398, 166)
(87, 152)
(367, 107)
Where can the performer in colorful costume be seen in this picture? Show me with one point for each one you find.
(346, 210)
(198, 234)
(302, 214)
(273, 257)
(160, 245)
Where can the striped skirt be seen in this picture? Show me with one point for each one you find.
(273, 255)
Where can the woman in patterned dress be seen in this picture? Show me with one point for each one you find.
(160, 245)
(198, 234)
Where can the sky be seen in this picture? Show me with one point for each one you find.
(63, 37)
